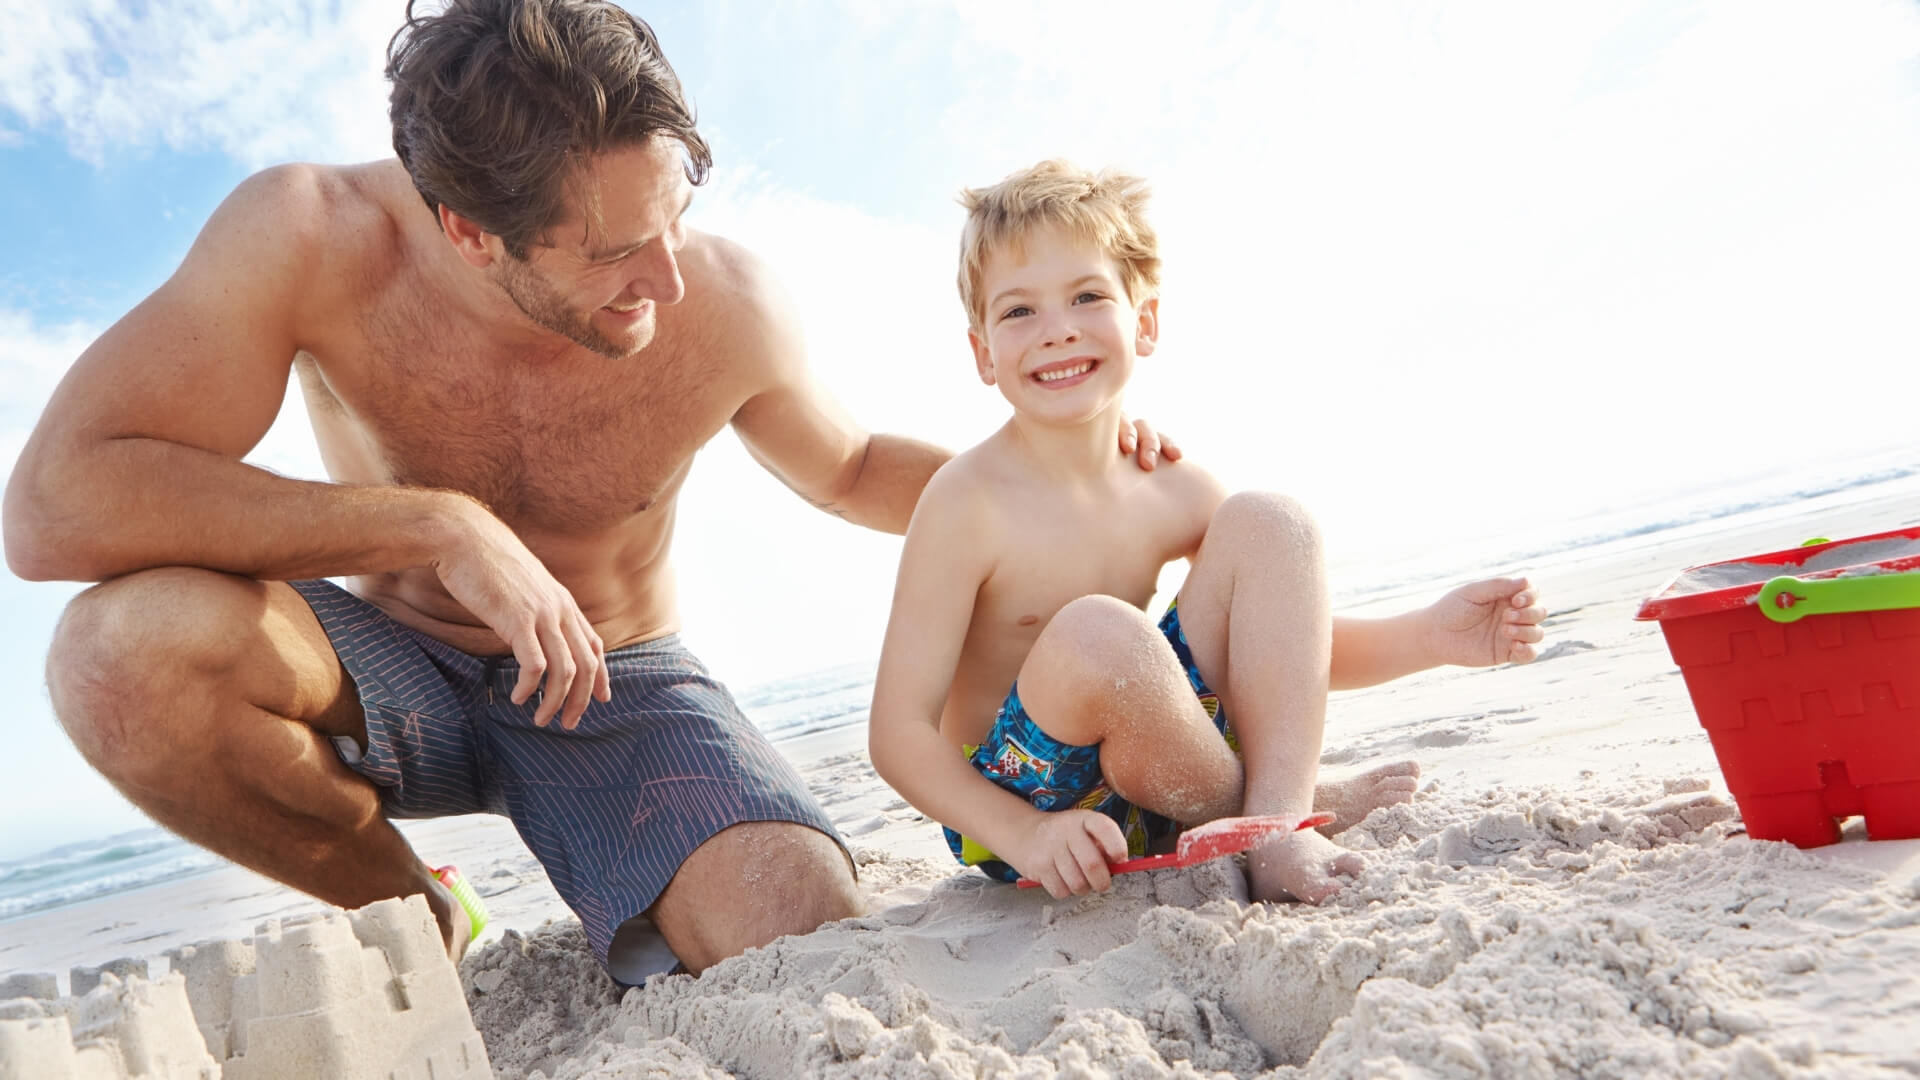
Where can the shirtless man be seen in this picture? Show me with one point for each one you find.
(511, 348)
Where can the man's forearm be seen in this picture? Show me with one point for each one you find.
(134, 504)
(892, 474)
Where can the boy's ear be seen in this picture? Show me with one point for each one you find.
(1147, 335)
(467, 238)
(982, 357)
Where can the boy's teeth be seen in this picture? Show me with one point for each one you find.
(1055, 376)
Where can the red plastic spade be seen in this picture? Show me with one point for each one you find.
(1221, 836)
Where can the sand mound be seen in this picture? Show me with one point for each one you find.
(1508, 932)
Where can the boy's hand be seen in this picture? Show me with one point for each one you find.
(1068, 853)
(1147, 446)
(1496, 621)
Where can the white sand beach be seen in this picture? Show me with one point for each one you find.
(1570, 894)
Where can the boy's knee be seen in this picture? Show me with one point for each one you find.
(1270, 519)
(1092, 634)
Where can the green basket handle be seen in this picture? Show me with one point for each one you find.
(1786, 599)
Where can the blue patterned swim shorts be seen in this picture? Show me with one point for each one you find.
(1053, 775)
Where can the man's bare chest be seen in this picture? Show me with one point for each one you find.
(569, 448)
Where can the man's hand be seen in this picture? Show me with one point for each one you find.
(493, 575)
(1068, 852)
(1496, 621)
(1147, 446)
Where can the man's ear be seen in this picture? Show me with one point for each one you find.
(982, 357)
(474, 243)
(1147, 335)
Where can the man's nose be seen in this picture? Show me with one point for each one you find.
(659, 277)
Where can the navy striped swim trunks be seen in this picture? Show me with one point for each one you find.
(612, 808)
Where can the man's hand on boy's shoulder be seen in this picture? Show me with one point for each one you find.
(1496, 621)
(1147, 446)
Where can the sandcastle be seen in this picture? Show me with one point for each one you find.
(361, 995)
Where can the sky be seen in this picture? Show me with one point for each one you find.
(1450, 274)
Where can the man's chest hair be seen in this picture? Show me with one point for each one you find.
(572, 446)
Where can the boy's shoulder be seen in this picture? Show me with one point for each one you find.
(977, 472)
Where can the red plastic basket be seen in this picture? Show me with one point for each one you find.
(1804, 667)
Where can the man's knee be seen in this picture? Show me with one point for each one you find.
(751, 884)
(123, 648)
(1277, 524)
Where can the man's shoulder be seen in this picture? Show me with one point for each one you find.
(722, 271)
(735, 309)
(305, 200)
(334, 218)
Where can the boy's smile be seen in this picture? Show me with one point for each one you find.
(1064, 373)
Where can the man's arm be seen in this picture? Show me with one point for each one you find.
(801, 434)
(136, 461)
(799, 431)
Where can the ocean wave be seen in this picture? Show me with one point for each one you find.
(77, 857)
(185, 865)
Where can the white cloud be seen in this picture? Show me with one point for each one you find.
(256, 80)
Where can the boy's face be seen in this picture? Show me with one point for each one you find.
(1059, 335)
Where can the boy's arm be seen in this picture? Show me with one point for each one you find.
(946, 559)
(1496, 621)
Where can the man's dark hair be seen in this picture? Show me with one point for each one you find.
(496, 103)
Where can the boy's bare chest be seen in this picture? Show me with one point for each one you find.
(574, 448)
(1062, 553)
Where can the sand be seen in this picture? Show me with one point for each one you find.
(1571, 893)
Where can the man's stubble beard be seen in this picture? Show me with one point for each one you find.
(540, 302)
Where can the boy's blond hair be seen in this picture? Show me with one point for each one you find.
(1107, 208)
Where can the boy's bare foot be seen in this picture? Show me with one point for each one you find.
(1303, 866)
(1352, 798)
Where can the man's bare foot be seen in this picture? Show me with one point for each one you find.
(1302, 866)
(1352, 798)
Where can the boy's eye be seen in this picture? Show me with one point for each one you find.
(1016, 311)
(1088, 297)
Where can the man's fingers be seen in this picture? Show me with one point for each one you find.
(553, 693)
(602, 678)
(1169, 449)
(533, 664)
(1147, 445)
(586, 676)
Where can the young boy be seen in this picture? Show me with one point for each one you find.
(1024, 700)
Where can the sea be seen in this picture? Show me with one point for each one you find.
(838, 696)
